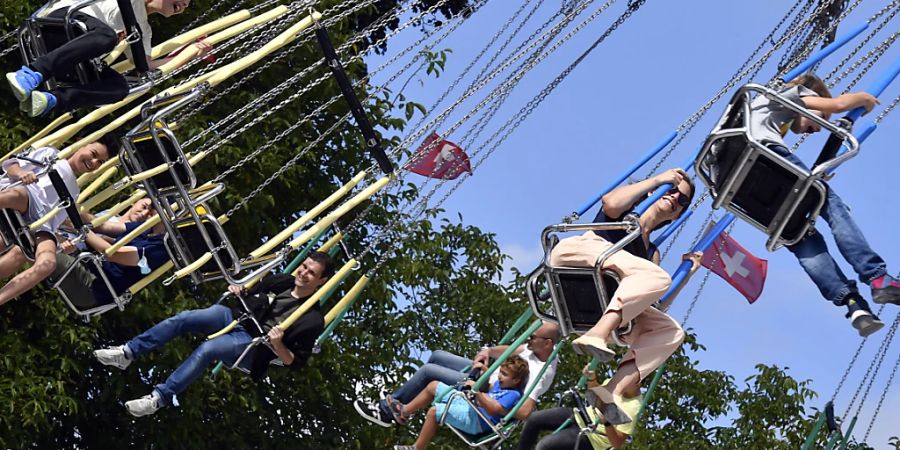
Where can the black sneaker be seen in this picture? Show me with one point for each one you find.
(372, 413)
(861, 316)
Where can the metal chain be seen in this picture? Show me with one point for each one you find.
(266, 32)
(246, 110)
(860, 46)
(878, 362)
(884, 394)
(321, 136)
(872, 367)
(887, 110)
(744, 70)
(507, 84)
(465, 71)
(690, 310)
(422, 206)
(677, 234)
(872, 58)
(309, 116)
(805, 52)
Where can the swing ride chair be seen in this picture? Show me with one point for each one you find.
(14, 229)
(490, 439)
(40, 35)
(67, 203)
(758, 185)
(579, 295)
(191, 230)
(95, 262)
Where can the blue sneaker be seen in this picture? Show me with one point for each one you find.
(23, 82)
(886, 289)
(39, 104)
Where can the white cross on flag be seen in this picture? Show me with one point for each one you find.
(737, 266)
(439, 158)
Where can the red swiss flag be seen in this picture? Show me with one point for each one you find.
(439, 158)
(737, 266)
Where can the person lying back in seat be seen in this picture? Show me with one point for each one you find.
(654, 335)
(768, 120)
(129, 264)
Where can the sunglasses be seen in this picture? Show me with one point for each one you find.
(682, 198)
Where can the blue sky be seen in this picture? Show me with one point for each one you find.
(643, 82)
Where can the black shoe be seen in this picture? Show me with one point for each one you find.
(861, 316)
(372, 412)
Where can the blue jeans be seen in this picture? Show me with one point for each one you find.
(812, 252)
(441, 366)
(225, 348)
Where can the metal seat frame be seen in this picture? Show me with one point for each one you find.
(724, 187)
(554, 277)
(119, 300)
(32, 45)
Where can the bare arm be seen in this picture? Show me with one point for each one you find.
(126, 256)
(695, 259)
(616, 438)
(527, 408)
(489, 404)
(15, 172)
(841, 103)
(493, 352)
(620, 199)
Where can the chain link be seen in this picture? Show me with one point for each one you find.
(887, 110)
(246, 110)
(422, 206)
(312, 114)
(859, 47)
(879, 354)
(746, 69)
(884, 394)
(476, 85)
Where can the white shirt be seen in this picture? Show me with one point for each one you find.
(107, 11)
(41, 195)
(534, 366)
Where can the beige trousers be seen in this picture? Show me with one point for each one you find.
(655, 335)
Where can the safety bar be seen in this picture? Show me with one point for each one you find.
(133, 35)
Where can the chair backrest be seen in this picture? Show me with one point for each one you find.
(41, 35)
(143, 152)
(188, 244)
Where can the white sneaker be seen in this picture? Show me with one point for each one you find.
(113, 356)
(143, 406)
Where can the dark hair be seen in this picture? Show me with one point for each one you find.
(683, 210)
(113, 144)
(326, 261)
(812, 82)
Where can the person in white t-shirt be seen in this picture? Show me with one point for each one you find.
(35, 198)
(450, 369)
(105, 28)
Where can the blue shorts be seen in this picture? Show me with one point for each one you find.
(460, 414)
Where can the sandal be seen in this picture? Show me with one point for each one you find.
(606, 402)
(397, 411)
(593, 346)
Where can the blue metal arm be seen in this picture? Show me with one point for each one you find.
(653, 152)
(823, 53)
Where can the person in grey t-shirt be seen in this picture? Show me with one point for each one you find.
(768, 122)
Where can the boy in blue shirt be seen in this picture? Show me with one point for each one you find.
(502, 397)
